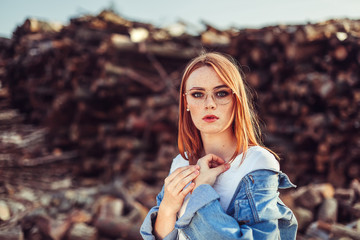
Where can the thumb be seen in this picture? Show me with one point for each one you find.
(210, 160)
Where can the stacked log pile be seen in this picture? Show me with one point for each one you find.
(308, 82)
(96, 101)
(325, 212)
(41, 199)
(99, 92)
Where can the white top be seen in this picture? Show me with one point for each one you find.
(256, 158)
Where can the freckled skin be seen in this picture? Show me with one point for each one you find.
(219, 144)
(205, 77)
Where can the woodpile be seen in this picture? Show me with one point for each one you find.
(325, 212)
(96, 102)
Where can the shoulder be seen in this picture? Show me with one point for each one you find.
(262, 158)
(260, 152)
(177, 162)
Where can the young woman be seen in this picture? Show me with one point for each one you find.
(224, 183)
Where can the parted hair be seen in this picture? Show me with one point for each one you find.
(245, 123)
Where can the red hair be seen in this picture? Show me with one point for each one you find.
(245, 123)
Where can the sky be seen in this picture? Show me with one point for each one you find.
(222, 14)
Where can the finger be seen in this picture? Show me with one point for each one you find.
(173, 175)
(210, 161)
(214, 164)
(180, 176)
(220, 169)
(185, 181)
(217, 160)
(211, 158)
(188, 189)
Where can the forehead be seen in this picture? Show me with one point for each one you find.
(204, 77)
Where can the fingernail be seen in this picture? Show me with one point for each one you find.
(197, 172)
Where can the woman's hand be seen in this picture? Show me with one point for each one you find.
(211, 166)
(174, 188)
(174, 195)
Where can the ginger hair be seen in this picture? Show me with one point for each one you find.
(245, 123)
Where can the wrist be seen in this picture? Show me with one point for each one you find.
(201, 184)
(205, 181)
(164, 223)
(166, 211)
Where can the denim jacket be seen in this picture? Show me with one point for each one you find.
(255, 212)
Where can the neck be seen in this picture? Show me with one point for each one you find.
(221, 144)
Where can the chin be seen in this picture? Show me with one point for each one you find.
(211, 130)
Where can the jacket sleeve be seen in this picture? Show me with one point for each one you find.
(147, 227)
(255, 212)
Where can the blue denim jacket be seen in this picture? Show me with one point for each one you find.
(255, 212)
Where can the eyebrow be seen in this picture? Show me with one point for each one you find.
(217, 87)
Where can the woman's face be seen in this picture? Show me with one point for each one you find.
(209, 100)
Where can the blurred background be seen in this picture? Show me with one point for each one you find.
(161, 13)
(89, 107)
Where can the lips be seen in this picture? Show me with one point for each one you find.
(210, 118)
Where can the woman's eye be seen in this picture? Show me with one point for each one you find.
(197, 94)
(222, 94)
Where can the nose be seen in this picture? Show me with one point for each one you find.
(210, 102)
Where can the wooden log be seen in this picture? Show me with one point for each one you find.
(303, 52)
(328, 210)
(4, 211)
(170, 50)
(349, 209)
(339, 230)
(81, 231)
(111, 220)
(32, 25)
(345, 195)
(312, 195)
(340, 53)
(115, 228)
(13, 233)
(112, 17)
(48, 159)
(121, 71)
(10, 116)
(215, 38)
(312, 34)
(300, 35)
(35, 234)
(355, 185)
(304, 217)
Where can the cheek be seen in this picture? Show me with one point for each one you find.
(229, 108)
(196, 116)
(230, 112)
(194, 112)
